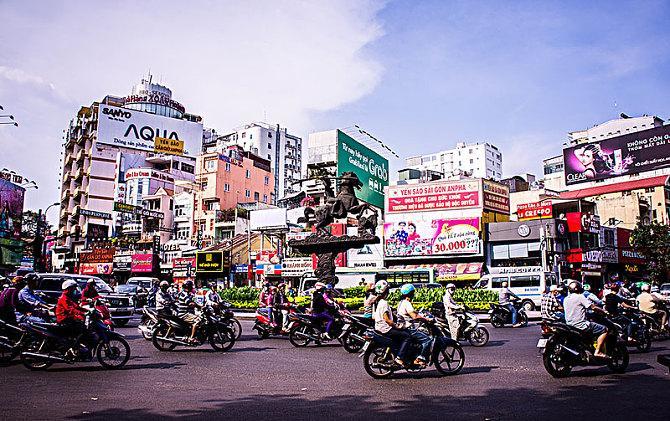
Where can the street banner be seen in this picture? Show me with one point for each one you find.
(447, 195)
(536, 210)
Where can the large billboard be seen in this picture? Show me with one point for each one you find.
(370, 167)
(268, 219)
(444, 195)
(628, 154)
(138, 130)
(439, 237)
(11, 209)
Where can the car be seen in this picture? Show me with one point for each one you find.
(665, 289)
(145, 282)
(121, 307)
(138, 293)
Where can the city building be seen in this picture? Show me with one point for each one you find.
(274, 143)
(477, 160)
(554, 174)
(146, 131)
(227, 178)
(412, 176)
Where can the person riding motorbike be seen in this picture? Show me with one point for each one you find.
(613, 301)
(451, 308)
(591, 296)
(625, 289)
(504, 299)
(407, 317)
(32, 305)
(185, 308)
(551, 308)
(648, 303)
(69, 314)
(265, 301)
(575, 305)
(89, 293)
(384, 324)
(321, 309)
(281, 304)
(9, 299)
(164, 300)
(370, 298)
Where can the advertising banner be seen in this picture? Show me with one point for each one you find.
(632, 153)
(11, 209)
(142, 263)
(209, 261)
(169, 146)
(267, 219)
(583, 222)
(296, 266)
(138, 130)
(536, 210)
(122, 262)
(461, 194)
(458, 272)
(627, 254)
(95, 268)
(97, 255)
(11, 252)
(370, 167)
(496, 196)
(438, 238)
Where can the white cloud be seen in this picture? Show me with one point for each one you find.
(230, 62)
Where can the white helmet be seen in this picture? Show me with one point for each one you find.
(381, 287)
(68, 284)
(450, 286)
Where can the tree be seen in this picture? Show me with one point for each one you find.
(653, 242)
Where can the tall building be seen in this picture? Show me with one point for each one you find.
(146, 134)
(274, 143)
(478, 160)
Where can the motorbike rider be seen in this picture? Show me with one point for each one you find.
(89, 293)
(321, 308)
(9, 299)
(280, 304)
(186, 306)
(451, 308)
(164, 300)
(31, 304)
(407, 317)
(625, 289)
(613, 302)
(384, 324)
(551, 308)
(370, 298)
(648, 303)
(69, 314)
(505, 297)
(576, 305)
(591, 296)
(265, 301)
(212, 298)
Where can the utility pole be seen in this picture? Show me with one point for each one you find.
(38, 264)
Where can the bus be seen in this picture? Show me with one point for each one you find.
(353, 277)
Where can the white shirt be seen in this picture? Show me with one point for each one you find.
(382, 308)
(450, 305)
(405, 309)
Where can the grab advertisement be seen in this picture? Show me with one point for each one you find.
(436, 238)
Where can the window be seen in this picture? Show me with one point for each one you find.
(248, 173)
(247, 193)
(175, 165)
(267, 180)
(210, 165)
(187, 168)
(269, 157)
(251, 136)
(257, 196)
(497, 281)
(270, 135)
(524, 281)
(203, 184)
(265, 198)
(244, 134)
(228, 166)
(269, 145)
(472, 161)
(226, 187)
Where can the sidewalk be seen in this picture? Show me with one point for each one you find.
(484, 317)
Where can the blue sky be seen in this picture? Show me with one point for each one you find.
(420, 75)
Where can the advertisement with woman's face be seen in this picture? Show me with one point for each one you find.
(632, 153)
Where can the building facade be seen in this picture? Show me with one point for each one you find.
(478, 160)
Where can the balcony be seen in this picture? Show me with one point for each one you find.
(65, 195)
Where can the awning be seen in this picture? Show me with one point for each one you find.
(616, 187)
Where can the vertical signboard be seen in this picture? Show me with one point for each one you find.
(370, 167)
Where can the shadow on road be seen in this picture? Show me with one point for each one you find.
(130, 366)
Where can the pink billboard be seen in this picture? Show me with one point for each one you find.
(142, 263)
(436, 238)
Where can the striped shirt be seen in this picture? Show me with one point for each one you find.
(183, 300)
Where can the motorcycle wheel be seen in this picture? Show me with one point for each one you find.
(352, 345)
(619, 359)
(159, 344)
(35, 364)
(114, 354)
(296, 340)
(524, 319)
(643, 341)
(237, 328)
(373, 357)
(449, 360)
(478, 336)
(496, 321)
(146, 333)
(553, 363)
(222, 340)
(262, 334)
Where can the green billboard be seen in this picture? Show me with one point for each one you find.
(370, 167)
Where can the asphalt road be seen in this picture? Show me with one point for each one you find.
(270, 379)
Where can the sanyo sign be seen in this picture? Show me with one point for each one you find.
(137, 129)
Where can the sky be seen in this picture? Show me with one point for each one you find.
(419, 75)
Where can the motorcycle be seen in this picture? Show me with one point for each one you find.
(353, 332)
(379, 353)
(171, 331)
(305, 329)
(264, 328)
(564, 347)
(500, 315)
(147, 322)
(641, 336)
(653, 327)
(12, 339)
(225, 312)
(47, 345)
(469, 327)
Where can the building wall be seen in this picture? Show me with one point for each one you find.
(483, 160)
(633, 206)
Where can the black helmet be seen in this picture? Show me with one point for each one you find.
(187, 284)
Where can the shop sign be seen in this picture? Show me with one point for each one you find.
(536, 210)
(97, 255)
(95, 268)
(95, 214)
(583, 222)
(209, 261)
(142, 263)
(496, 196)
(296, 266)
(241, 268)
(169, 146)
(122, 262)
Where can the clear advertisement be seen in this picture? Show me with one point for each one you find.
(95, 268)
(138, 130)
(461, 194)
(628, 154)
(11, 209)
(437, 238)
(370, 167)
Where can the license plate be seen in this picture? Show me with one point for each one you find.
(542, 343)
(490, 311)
(346, 327)
(365, 348)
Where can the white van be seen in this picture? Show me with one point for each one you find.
(527, 282)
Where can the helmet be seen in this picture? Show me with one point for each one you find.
(319, 285)
(574, 286)
(187, 284)
(68, 284)
(381, 287)
(407, 289)
(645, 287)
(450, 286)
(164, 284)
(587, 287)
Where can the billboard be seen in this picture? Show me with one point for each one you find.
(138, 130)
(210, 262)
(142, 263)
(95, 268)
(496, 196)
(267, 219)
(440, 237)
(370, 167)
(535, 210)
(11, 209)
(444, 195)
(632, 153)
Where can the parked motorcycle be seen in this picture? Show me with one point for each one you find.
(171, 331)
(47, 344)
(305, 329)
(564, 347)
(353, 332)
(500, 315)
(379, 353)
(469, 327)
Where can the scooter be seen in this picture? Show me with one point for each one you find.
(500, 315)
(353, 332)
